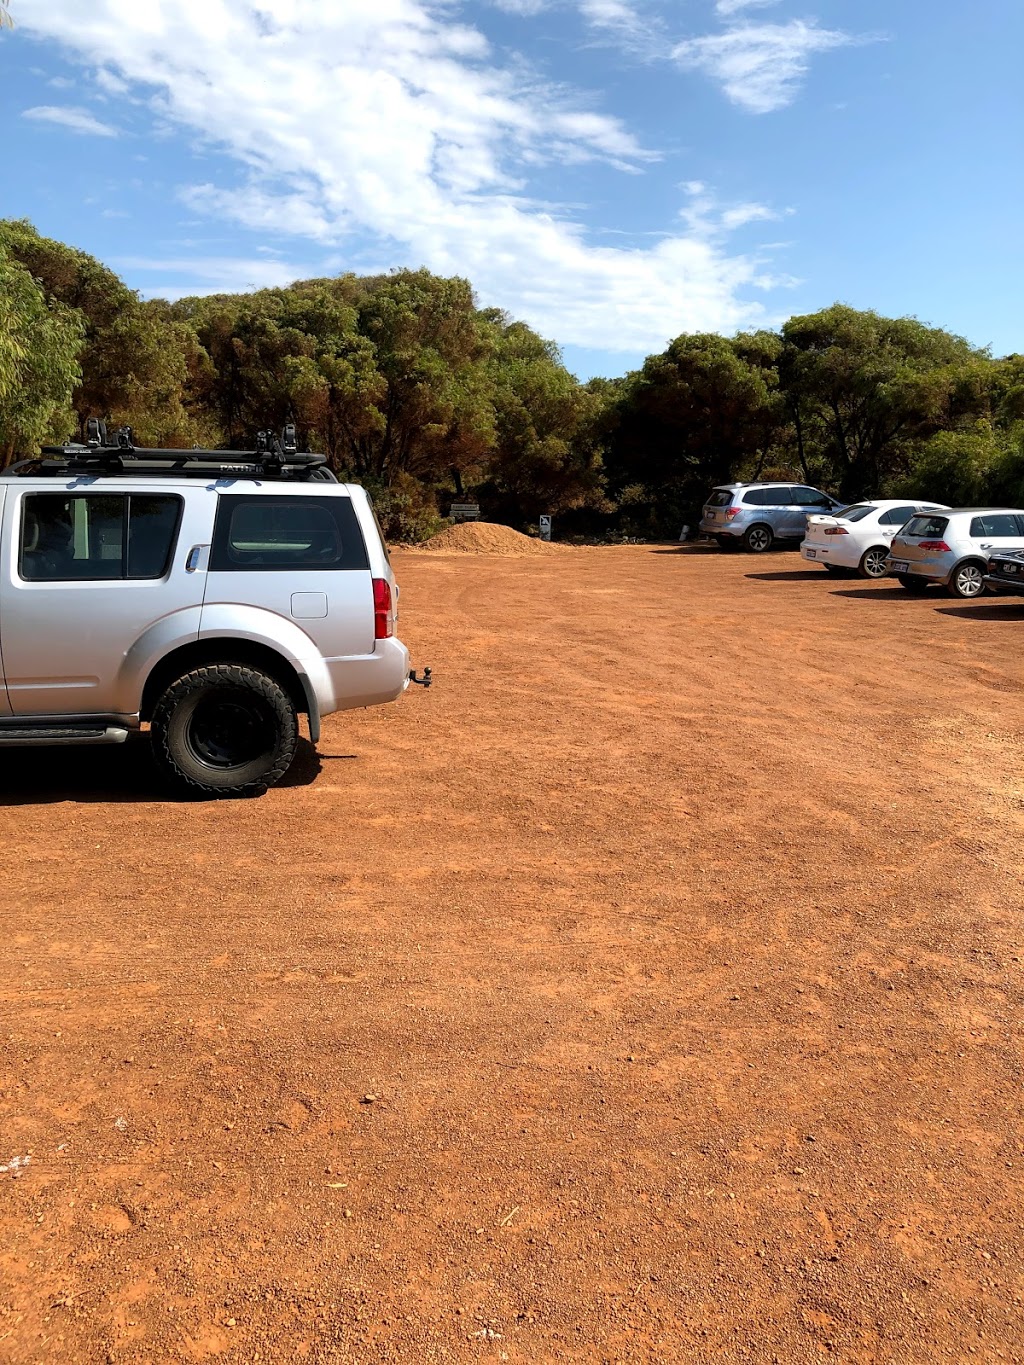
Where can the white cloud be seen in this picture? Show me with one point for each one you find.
(759, 65)
(389, 131)
(609, 13)
(66, 116)
(209, 274)
(727, 7)
(525, 8)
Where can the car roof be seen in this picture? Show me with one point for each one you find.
(763, 483)
(898, 502)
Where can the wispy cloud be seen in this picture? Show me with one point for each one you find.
(391, 132)
(759, 66)
(178, 277)
(74, 119)
(728, 7)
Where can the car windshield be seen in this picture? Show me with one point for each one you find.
(856, 513)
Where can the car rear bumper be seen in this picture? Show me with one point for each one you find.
(369, 679)
(935, 572)
(1004, 586)
(828, 554)
(720, 528)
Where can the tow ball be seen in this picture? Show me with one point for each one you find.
(425, 681)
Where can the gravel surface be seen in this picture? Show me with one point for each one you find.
(647, 991)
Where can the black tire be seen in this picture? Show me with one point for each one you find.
(224, 730)
(967, 580)
(758, 539)
(725, 543)
(872, 562)
(915, 585)
(833, 568)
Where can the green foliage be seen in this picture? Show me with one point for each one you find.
(413, 390)
(40, 343)
(135, 361)
(690, 418)
(546, 455)
(867, 389)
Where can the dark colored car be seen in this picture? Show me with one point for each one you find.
(1006, 573)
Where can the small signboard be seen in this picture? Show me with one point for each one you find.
(545, 528)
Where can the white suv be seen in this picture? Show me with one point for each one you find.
(215, 595)
(952, 548)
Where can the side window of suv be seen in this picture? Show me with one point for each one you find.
(92, 537)
(268, 533)
(810, 497)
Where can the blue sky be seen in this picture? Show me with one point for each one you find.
(615, 172)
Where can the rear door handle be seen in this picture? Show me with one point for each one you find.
(194, 556)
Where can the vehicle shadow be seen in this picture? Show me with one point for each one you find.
(893, 594)
(986, 611)
(794, 576)
(111, 774)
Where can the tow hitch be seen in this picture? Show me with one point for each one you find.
(425, 681)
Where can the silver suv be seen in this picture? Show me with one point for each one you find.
(216, 595)
(952, 548)
(755, 515)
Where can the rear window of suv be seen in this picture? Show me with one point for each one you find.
(267, 534)
(721, 497)
(926, 526)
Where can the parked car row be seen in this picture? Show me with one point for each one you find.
(920, 544)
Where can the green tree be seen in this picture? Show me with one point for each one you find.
(688, 419)
(870, 388)
(546, 456)
(135, 363)
(39, 348)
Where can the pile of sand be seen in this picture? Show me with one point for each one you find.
(486, 538)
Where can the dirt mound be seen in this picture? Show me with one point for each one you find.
(486, 538)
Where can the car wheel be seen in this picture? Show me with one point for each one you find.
(968, 580)
(913, 584)
(758, 539)
(872, 562)
(225, 730)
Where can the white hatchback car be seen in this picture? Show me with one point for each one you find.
(859, 536)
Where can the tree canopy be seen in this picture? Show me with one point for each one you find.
(411, 388)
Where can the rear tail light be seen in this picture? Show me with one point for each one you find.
(383, 612)
(731, 512)
(836, 531)
(939, 546)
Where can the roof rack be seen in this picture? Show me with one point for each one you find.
(274, 457)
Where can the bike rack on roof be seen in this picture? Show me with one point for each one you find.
(274, 457)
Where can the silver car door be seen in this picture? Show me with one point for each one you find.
(5, 705)
(291, 564)
(89, 573)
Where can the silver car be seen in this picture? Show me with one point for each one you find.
(755, 515)
(952, 548)
(216, 595)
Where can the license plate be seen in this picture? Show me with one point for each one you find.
(899, 566)
(811, 554)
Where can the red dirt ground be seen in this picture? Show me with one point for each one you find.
(675, 934)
